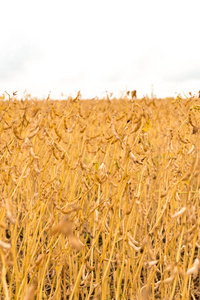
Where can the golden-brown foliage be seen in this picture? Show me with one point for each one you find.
(99, 199)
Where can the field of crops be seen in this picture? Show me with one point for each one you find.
(100, 199)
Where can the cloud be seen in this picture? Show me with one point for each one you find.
(74, 45)
(183, 73)
(15, 61)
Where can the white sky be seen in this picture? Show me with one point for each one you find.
(64, 46)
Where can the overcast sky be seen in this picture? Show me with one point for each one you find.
(94, 46)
